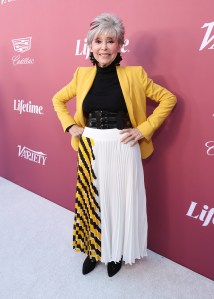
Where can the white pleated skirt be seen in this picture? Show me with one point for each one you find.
(110, 210)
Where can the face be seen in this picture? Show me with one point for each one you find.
(105, 48)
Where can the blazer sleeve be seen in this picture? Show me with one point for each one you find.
(166, 102)
(61, 98)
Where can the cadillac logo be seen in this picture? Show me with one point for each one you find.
(22, 45)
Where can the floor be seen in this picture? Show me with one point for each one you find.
(37, 260)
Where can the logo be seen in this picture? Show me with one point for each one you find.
(21, 106)
(210, 148)
(6, 1)
(206, 215)
(84, 50)
(31, 155)
(22, 45)
(208, 40)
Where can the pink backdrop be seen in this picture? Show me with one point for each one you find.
(42, 43)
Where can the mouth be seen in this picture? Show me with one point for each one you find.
(104, 55)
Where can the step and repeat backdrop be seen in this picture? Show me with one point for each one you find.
(41, 45)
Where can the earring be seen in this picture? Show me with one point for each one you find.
(93, 60)
(118, 59)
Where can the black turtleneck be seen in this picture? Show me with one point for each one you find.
(105, 93)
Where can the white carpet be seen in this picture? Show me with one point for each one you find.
(37, 260)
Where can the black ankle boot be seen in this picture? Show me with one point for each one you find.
(113, 267)
(88, 265)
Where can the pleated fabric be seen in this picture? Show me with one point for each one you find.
(110, 209)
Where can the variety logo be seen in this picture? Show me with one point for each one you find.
(208, 40)
(6, 1)
(31, 155)
(83, 49)
(22, 45)
(206, 215)
(210, 148)
(21, 106)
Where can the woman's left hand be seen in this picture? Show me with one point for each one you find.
(133, 135)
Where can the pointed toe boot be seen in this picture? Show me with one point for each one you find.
(114, 267)
(88, 265)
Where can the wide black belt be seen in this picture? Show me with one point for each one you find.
(108, 120)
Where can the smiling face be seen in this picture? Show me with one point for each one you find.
(105, 48)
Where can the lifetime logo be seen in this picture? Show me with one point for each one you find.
(208, 37)
(21, 106)
(206, 215)
(31, 155)
(84, 50)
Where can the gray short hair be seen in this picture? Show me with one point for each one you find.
(106, 23)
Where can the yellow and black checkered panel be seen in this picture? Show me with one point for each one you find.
(87, 231)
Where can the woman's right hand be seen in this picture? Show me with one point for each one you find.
(76, 131)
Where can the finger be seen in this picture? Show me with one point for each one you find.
(75, 131)
(125, 131)
(125, 137)
(78, 133)
(128, 138)
(134, 138)
(134, 141)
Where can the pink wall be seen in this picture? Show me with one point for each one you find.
(163, 36)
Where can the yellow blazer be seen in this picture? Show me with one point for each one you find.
(136, 87)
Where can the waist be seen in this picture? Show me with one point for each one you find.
(108, 120)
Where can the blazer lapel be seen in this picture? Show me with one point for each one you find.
(124, 83)
(86, 84)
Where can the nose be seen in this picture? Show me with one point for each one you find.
(104, 46)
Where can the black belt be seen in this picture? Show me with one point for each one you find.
(108, 120)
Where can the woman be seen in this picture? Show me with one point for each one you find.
(111, 132)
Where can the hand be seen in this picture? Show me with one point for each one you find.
(132, 134)
(76, 131)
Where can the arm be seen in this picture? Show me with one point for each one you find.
(61, 98)
(166, 102)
